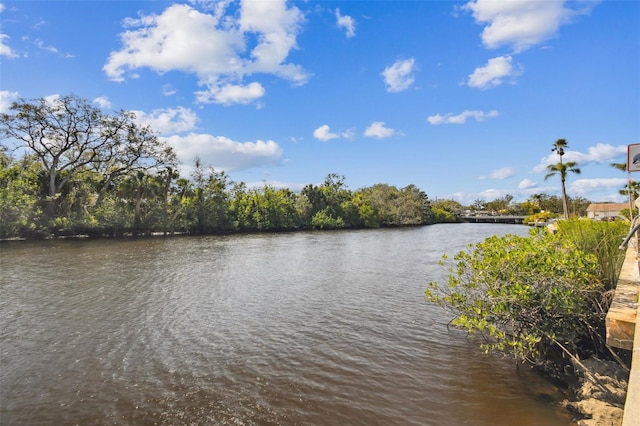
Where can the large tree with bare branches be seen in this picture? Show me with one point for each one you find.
(69, 135)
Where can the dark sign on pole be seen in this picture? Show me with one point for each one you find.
(633, 157)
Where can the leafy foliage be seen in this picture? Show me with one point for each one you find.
(602, 239)
(525, 295)
(20, 196)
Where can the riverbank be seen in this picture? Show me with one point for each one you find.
(600, 394)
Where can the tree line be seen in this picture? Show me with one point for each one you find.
(67, 168)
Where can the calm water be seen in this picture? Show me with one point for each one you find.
(293, 329)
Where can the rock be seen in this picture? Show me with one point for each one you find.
(601, 394)
(599, 413)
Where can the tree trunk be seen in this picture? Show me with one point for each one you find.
(565, 204)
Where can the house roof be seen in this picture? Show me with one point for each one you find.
(607, 207)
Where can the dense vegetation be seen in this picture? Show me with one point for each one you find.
(67, 168)
(539, 297)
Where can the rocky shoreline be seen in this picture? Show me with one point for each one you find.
(599, 394)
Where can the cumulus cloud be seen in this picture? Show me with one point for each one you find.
(585, 186)
(521, 24)
(399, 76)
(494, 73)
(527, 184)
(231, 94)
(168, 120)
(220, 49)
(462, 117)
(600, 153)
(102, 102)
(223, 153)
(324, 133)
(502, 173)
(52, 99)
(6, 98)
(493, 194)
(378, 130)
(347, 23)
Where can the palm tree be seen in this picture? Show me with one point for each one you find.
(537, 200)
(562, 169)
(620, 166)
(559, 146)
(631, 189)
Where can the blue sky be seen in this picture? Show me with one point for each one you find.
(462, 98)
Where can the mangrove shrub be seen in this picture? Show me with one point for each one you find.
(527, 296)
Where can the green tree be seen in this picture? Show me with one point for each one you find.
(20, 195)
(537, 200)
(328, 202)
(264, 209)
(208, 204)
(144, 192)
(562, 169)
(479, 205)
(453, 207)
(499, 205)
(68, 136)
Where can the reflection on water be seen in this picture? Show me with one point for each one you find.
(295, 329)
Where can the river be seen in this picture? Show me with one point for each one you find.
(309, 328)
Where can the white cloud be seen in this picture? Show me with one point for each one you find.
(223, 153)
(52, 49)
(378, 130)
(494, 194)
(231, 94)
(217, 48)
(462, 117)
(494, 73)
(346, 22)
(585, 186)
(502, 173)
(5, 50)
(399, 76)
(6, 98)
(168, 120)
(324, 133)
(527, 184)
(522, 24)
(601, 153)
(52, 99)
(168, 90)
(103, 102)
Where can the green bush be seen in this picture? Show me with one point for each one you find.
(528, 296)
(324, 220)
(540, 217)
(443, 216)
(600, 238)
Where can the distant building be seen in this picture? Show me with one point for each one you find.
(605, 211)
